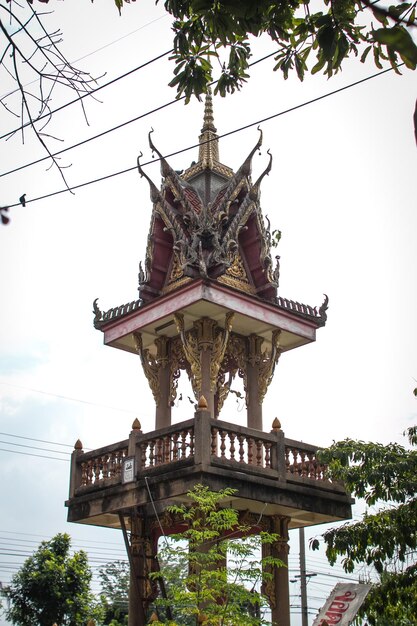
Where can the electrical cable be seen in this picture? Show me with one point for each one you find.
(55, 458)
(22, 445)
(54, 443)
(114, 128)
(156, 512)
(55, 395)
(84, 95)
(236, 130)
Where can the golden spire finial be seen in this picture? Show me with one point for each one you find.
(208, 120)
(208, 140)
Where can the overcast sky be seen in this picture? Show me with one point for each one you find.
(342, 191)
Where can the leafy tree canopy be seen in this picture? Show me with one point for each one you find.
(211, 33)
(114, 580)
(52, 587)
(202, 588)
(386, 478)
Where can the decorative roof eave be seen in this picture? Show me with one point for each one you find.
(313, 314)
(198, 168)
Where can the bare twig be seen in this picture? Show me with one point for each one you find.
(41, 56)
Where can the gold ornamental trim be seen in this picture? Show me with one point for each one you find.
(219, 349)
(150, 367)
(237, 283)
(191, 351)
(267, 366)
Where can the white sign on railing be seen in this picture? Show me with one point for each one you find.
(128, 469)
(342, 605)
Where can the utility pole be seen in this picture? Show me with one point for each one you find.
(303, 576)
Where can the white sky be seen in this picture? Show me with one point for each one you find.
(342, 191)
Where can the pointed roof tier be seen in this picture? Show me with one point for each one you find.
(207, 226)
(208, 154)
(208, 223)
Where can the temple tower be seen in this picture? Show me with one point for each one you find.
(208, 308)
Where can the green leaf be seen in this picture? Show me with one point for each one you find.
(326, 39)
(398, 39)
(365, 53)
(319, 65)
(119, 4)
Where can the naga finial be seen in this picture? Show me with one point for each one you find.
(98, 314)
(155, 195)
(323, 308)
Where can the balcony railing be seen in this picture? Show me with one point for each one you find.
(201, 441)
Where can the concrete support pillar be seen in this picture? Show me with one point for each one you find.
(137, 573)
(141, 590)
(254, 405)
(206, 386)
(163, 406)
(277, 590)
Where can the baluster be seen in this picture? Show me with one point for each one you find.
(167, 449)
(119, 459)
(151, 454)
(184, 444)
(232, 438)
(222, 444)
(83, 474)
(175, 446)
(192, 442)
(158, 455)
(143, 450)
(259, 453)
(214, 433)
(267, 445)
(250, 450)
(112, 465)
(287, 460)
(105, 466)
(241, 439)
(312, 465)
(89, 472)
(294, 466)
(97, 468)
(303, 464)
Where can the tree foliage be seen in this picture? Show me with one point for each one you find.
(213, 33)
(114, 580)
(52, 587)
(386, 478)
(208, 590)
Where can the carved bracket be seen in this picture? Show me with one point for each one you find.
(267, 366)
(150, 367)
(192, 354)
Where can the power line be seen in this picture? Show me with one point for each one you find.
(84, 95)
(114, 128)
(236, 130)
(56, 395)
(111, 43)
(22, 445)
(55, 443)
(14, 532)
(55, 458)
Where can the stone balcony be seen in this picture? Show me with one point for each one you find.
(272, 474)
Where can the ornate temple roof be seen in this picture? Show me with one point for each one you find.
(207, 223)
